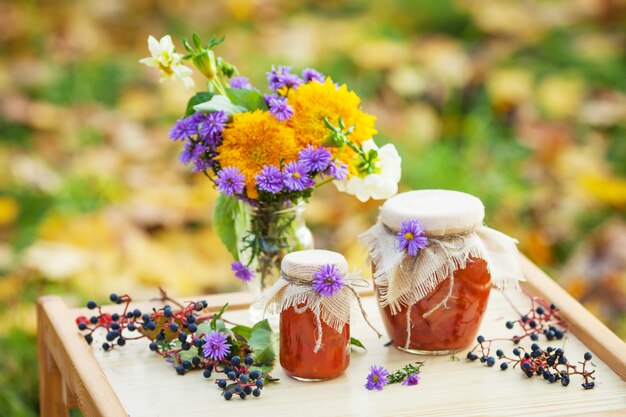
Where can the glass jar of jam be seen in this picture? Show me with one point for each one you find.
(310, 348)
(433, 263)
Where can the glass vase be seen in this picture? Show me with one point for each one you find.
(274, 231)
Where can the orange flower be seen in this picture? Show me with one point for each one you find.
(253, 140)
(313, 101)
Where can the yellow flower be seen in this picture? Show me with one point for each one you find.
(253, 140)
(313, 101)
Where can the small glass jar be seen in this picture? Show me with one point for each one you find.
(300, 323)
(432, 300)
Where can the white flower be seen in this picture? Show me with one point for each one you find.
(381, 184)
(167, 61)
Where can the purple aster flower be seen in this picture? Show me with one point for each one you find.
(377, 378)
(314, 159)
(242, 272)
(411, 237)
(216, 346)
(412, 379)
(230, 181)
(310, 74)
(201, 165)
(296, 177)
(212, 126)
(240, 82)
(192, 152)
(337, 170)
(328, 280)
(281, 77)
(270, 179)
(184, 128)
(279, 107)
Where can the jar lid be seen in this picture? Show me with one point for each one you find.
(303, 264)
(441, 212)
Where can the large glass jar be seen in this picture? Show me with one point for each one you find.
(314, 326)
(433, 263)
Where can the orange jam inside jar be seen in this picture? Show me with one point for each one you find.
(297, 341)
(446, 330)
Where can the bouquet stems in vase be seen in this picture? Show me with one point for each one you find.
(267, 153)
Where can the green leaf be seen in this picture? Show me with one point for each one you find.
(250, 99)
(198, 98)
(190, 354)
(203, 328)
(264, 369)
(261, 343)
(223, 222)
(242, 331)
(356, 342)
(269, 379)
(219, 103)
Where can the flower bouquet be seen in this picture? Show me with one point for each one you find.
(267, 153)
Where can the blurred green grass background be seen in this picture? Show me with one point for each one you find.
(520, 103)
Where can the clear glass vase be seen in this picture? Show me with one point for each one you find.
(274, 231)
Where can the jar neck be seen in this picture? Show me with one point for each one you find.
(279, 209)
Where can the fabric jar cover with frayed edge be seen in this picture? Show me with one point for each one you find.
(295, 289)
(453, 225)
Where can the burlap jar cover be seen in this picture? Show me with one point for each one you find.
(295, 289)
(453, 225)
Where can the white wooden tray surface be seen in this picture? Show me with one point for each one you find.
(148, 386)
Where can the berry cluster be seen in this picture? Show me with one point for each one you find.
(186, 337)
(240, 379)
(550, 363)
(543, 318)
(114, 324)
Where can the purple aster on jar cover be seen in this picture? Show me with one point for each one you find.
(216, 346)
(328, 280)
(281, 77)
(212, 127)
(242, 272)
(296, 177)
(230, 181)
(240, 82)
(412, 379)
(311, 74)
(377, 378)
(411, 237)
(314, 159)
(270, 179)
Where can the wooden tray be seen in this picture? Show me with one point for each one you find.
(133, 381)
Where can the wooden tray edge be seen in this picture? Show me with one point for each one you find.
(592, 332)
(69, 375)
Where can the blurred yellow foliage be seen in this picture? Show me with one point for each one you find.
(9, 210)
(608, 190)
(561, 96)
(508, 87)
